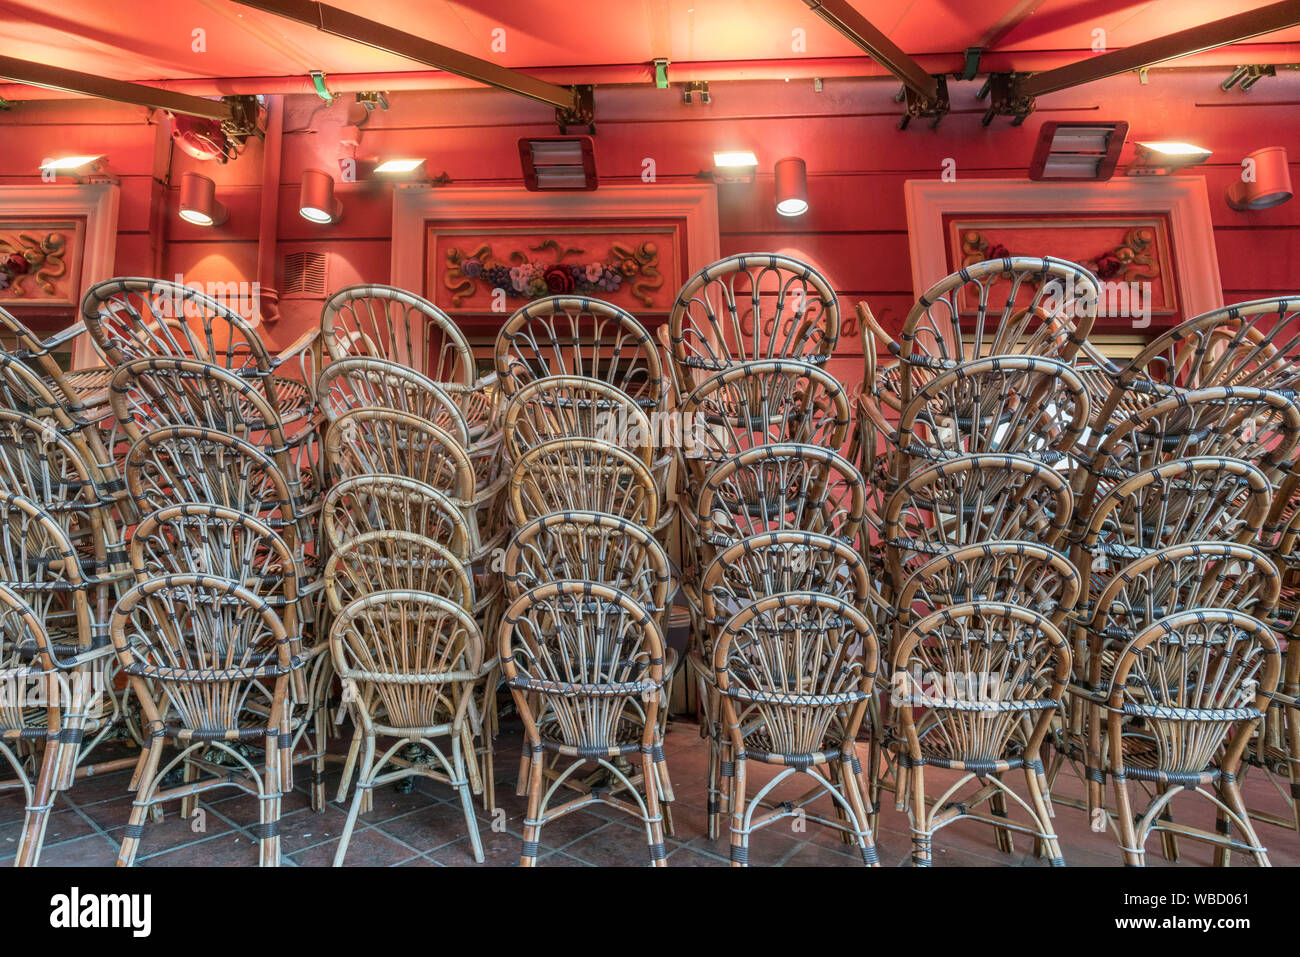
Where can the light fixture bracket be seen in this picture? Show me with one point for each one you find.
(245, 119)
(1006, 98)
(917, 105)
(582, 113)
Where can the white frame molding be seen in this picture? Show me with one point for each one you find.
(1184, 198)
(414, 207)
(98, 203)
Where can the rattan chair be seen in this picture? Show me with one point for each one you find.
(577, 336)
(1018, 305)
(357, 382)
(131, 317)
(585, 665)
(764, 402)
(219, 542)
(1019, 405)
(384, 441)
(973, 689)
(409, 662)
(794, 674)
(40, 564)
(84, 392)
(973, 499)
(32, 728)
(210, 663)
(394, 560)
(575, 407)
(385, 322)
(179, 464)
(782, 487)
(1185, 696)
(377, 503)
(583, 475)
(1254, 425)
(750, 306)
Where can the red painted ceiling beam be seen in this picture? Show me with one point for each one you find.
(864, 34)
(87, 84)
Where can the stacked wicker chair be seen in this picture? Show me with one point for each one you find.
(217, 452)
(61, 567)
(967, 436)
(783, 653)
(587, 572)
(1179, 532)
(411, 527)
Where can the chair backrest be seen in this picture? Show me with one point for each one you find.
(589, 546)
(1198, 499)
(558, 407)
(385, 441)
(1019, 573)
(154, 391)
(39, 563)
(978, 669)
(24, 390)
(204, 653)
(762, 402)
(395, 561)
(179, 464)
(385, 322)
(973, 499)
(592, 654)
(25, 655)
(804, 664)
(1021, 405)
(1192, 678)
(1019, 305)
(1255, 425)
(357, 382)
(375, 503)
(1254, 344)
(750, 306)
(38, 460)
(218, 542)
(1178, 578)
(20, 343)
(576, 336)
(773, 563)
(781, 487)
(415, 654)
(583, 475)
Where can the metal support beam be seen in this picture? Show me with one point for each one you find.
(87, 84)
(1208, 36)
(340, 23)
(865, 35)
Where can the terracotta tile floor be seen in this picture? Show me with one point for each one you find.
(425, 828)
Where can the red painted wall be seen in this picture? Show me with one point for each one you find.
(856, 229)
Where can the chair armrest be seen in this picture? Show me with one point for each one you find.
(59, 338)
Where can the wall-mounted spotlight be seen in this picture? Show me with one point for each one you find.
(1162, 157)
(316, 202)
(1265, 182)
(80, 167)
(399, 167)
(791, 186)
(738, 166)
(199, 201)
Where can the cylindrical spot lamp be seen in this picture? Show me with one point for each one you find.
(316, 202)
(1269, 184)
(791, 186)
(199, 201)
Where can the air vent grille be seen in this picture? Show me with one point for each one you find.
(305, 275)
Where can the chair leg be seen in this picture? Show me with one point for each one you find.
(466, 799)
(1232, 792)
(268, 851)
(38, 809)
(998, 805)
(1134, 855)
(141, 805)
(533, 818)
(920, 815)
(189, 803)
(654, 818)
(359, 792)
(349, 765)
(1048, 843)
(739, 833)
(852, 780)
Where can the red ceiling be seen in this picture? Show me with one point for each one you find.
(152, 39)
